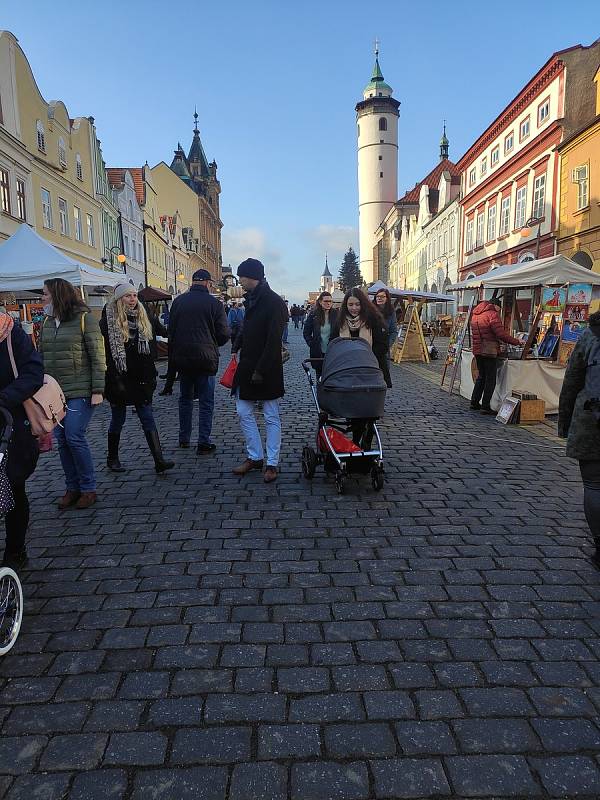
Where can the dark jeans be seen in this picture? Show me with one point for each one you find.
(119, 414)
(590, 475)
(486, 381)
(17, 520)
(202, 387)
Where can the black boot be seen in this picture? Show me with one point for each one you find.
(154, 444)
(112, 461)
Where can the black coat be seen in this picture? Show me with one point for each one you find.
(380, 346)
(197, 328)
(23, 448)
(137, 385)
(312, 332)
(259, 344)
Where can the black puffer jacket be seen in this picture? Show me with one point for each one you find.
(197, 328)
(260, 346)
(23, 448)
(312, 332)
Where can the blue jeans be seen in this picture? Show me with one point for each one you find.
(284, 337)
(204, 387)
(144, 413)
(254, 448)
(73, 449)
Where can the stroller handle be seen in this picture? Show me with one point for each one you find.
(309, 362)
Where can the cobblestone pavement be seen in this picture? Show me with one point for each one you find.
(199, 635)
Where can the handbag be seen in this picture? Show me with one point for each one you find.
(229, 374)
(47, 407)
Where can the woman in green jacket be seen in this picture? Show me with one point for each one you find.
(73, 351)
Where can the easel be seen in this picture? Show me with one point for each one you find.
(457, 339)
(410, 344)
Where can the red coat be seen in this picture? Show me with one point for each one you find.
(486, 325)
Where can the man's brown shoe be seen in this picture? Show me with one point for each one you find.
(86, 500)
(68, 499)
(248, 465)
(270, 474)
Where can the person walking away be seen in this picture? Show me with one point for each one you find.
(197, 328)
(383, 301)
(317, 329)
(284, 335)
(579, 421)
(487, 332)
(235, 319)
(22, 453)
(130, 372)
(73, 352)
(259, 376)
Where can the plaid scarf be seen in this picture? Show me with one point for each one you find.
(115, 336)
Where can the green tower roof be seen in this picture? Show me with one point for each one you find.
(377, 83)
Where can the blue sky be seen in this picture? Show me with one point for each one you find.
(276, 84)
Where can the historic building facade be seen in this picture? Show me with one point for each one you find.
(510, 175)
(110, 232)
(131, 224)
(579, 218)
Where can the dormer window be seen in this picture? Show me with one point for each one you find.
(41, 137)
(383, 124)
(62, 152)
(78, 167)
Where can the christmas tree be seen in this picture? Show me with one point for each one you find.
(350, 276)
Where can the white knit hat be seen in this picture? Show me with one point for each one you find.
(121, 289)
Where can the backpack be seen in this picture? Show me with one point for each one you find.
(592, 380)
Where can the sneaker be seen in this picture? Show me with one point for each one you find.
(246, 466)
(206, 448)
(86, 500)
(17, 560)
(270, 474)
(68, 499)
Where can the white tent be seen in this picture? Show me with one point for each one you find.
(430, 297)
(552, 271)
(27, 260)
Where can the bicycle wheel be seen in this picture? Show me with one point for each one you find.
(11, 608)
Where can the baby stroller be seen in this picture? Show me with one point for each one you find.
(11, 593)
(349, 398)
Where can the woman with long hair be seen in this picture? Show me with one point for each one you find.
(358, 318)
(129, 339)
(71, 345)
(318, 327)
(383, 301)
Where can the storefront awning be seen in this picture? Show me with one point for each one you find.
(552, 271)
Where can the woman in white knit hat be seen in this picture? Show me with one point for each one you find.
(130, 372)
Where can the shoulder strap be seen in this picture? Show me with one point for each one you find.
(83, 323)
(11, 356)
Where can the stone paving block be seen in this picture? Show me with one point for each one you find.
(115, 715)
(365, 740)
(495, 736)
(495, 776)
(497, 702)
(46, 718)
(211, 746)
(48, 787)
(389, 705)
(89, 687)
(19, 754)
(423, 738)
(136, 749)
(300, 680)
(106, 784)
(198, 783)
(264, 781)
(561, 702)
(568, 776)
(567, 735)
(324, 780)
(324, 654)
(409, 777)
(288, 741)
(326, 708)
(244, 708)
(75, 751)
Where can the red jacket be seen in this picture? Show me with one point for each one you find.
(486, 325)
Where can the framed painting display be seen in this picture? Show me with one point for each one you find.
(508, 410)
(576, 313)
(579, 294)
(554, 300)
(573, 330)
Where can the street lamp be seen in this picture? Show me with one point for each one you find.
(122, 259)
(440, 264)
(526, 230)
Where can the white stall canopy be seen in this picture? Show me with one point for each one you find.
(27, 260)
(430, 297)
(552, 271)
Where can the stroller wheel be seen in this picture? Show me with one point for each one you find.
(377, 478)
(309, 462)
(340, 482)
(11, 608)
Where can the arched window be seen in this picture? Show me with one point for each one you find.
(382, 124)
(41, 136)
(583, 259)
(62, 152)
(78, 167)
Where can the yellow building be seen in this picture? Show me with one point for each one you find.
(50, 185)
(579, 217)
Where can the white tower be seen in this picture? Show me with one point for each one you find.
(377, 130)
(326, 278)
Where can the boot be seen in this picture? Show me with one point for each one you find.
(154, 444)
(112, 461)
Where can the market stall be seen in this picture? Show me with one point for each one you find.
(546, 304)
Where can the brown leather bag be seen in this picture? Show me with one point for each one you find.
(489, 348)
(47, 408)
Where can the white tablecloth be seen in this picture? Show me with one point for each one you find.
(531, 375)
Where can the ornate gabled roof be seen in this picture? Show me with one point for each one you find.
(117, 174)
(432, 180)
(196, 154)
(180, 165)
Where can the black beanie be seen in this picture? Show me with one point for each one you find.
(251, 268)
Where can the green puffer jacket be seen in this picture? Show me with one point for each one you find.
(575, 422)
(74, 355)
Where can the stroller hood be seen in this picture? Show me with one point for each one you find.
(352, 384)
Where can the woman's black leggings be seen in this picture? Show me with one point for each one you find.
(590, 475)
(17, 520)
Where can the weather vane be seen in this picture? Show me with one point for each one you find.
(376, 47)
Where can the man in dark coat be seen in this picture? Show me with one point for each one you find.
(197, 328)
(259, 375)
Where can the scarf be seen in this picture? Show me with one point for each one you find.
(7, 323)
(115, 336)
(355, 324)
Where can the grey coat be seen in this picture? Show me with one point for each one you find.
(575, 422)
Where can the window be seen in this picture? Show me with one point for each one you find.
(495, 157)
(64, 219)
(4, 191)
(520, 207)
(479, 240)
(580, 176)
(445, 242)
(472, 176)
(539, 196)
(383, 124)
(524, 129)
(46, 208)
(452, 239)
(126, 245)
(77, 218)
(78, 167)
(41, 136)
(21, 210)
(505, 216)
(62, 152)
(509, 142)
(381, 174)
(491, 226)
(469, 243)
(483, 166)
(381, 158)
(90, 230)
(543, 111)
